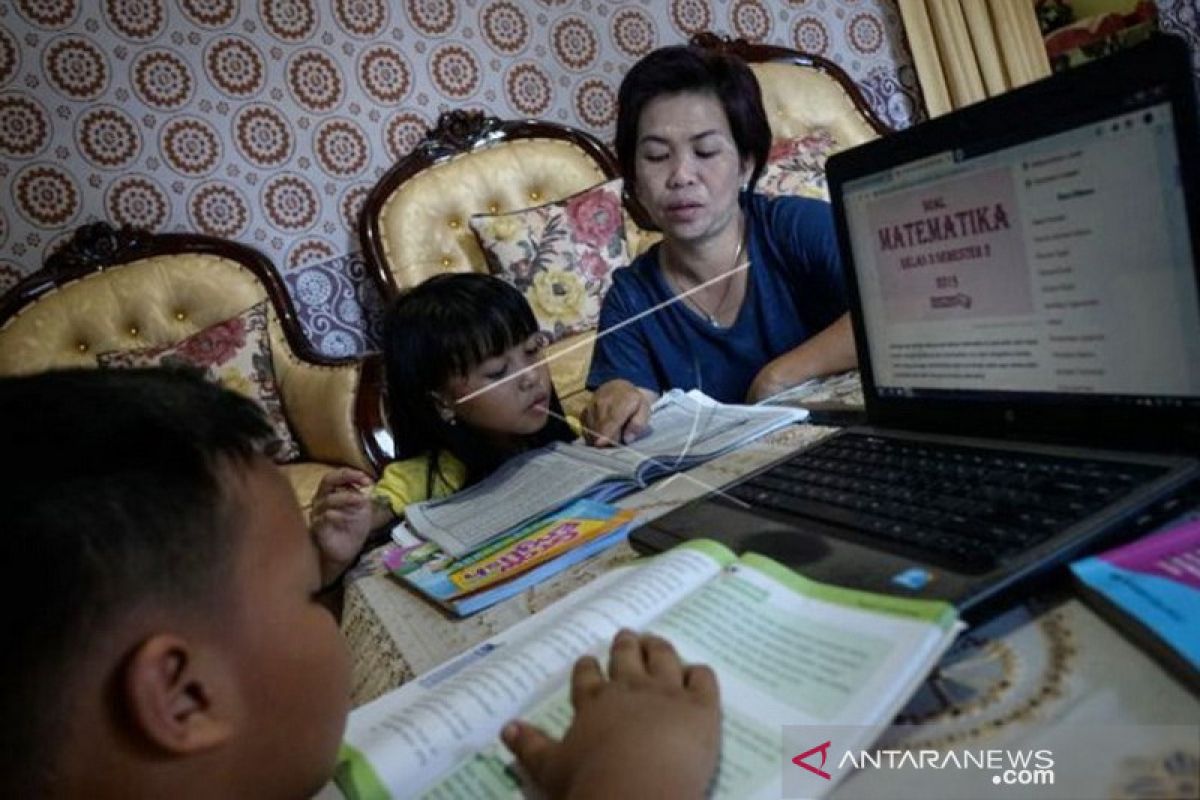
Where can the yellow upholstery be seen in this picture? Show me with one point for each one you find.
(304, 476)
(163, 299)
(150, 302)
(800, 99)
(423, 223)
(569, 361)
(639, 240)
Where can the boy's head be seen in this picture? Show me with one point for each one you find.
(163, 636)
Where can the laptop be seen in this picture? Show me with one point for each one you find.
(1023, 284)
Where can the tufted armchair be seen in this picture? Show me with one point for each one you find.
(414, 221)
(117, 290)
(804, 93)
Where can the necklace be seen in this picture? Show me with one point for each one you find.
(713, 317)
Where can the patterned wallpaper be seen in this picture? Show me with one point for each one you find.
(1182, 18)
(267, 121)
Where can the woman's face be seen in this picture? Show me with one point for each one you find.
(688, 167)
(503, 396)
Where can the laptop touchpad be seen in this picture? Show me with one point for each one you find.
(791, 547)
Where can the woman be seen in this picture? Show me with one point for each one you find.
(744, 296)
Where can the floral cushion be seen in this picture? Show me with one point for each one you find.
(560, 255)
(235, 353)
(797, 166)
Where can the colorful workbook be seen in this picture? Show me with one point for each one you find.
(685, 429)
(1150, 590)
(786, 650)
(513, 562)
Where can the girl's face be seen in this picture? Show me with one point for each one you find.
(688, 167)
(503, 396)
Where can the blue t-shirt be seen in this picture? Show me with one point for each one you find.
(795, 289)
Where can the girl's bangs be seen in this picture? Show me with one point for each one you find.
(498, 329)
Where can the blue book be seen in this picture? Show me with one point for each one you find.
(508, 565)
(1150, 590)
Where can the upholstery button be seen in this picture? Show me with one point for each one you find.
(82, 347)
(445, 261)
(454, 223)
(180, 315)
(493, 208)
(133, 330)
(535, 195)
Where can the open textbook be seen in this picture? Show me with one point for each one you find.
(686, 428)
(786, 650)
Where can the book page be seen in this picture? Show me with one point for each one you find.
(785, 655)
(685, 429)
(410, 737)
(529, 485)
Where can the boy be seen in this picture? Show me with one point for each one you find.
(174, 644)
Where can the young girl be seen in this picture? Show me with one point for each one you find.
(467, 389)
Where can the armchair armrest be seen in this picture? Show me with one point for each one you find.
(335, 408)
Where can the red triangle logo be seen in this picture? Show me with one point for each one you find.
(823, 749)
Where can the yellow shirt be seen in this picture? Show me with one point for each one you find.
(407, 481)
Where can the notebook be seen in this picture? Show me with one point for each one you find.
(1022, 276)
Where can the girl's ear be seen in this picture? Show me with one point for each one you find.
(444, 409)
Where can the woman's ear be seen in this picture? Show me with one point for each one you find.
(632, 191)
(180, 702)
(747, 170)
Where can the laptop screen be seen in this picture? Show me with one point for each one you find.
(1037, 261)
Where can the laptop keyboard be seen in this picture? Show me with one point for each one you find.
(963, 507)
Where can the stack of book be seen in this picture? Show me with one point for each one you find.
(1150, 590)
(550, 508)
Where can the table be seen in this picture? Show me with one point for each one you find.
(1047, 669)
(395, 635)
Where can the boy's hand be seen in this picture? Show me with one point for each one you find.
(340, 520)
(652, 729)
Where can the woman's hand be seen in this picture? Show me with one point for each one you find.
(618, 414)
(650, 729)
